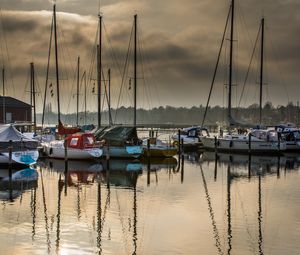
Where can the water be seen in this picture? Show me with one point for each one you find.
(223, 206)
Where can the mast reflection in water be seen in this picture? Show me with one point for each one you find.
(203, 203)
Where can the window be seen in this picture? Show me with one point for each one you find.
(74, 141)
(8, 117)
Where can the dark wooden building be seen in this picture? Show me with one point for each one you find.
(15, 110)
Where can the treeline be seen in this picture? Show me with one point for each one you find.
(185, 116)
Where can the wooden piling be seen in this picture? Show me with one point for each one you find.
(182, 168)
(249, 143)
(108, 166)
(10, 148)
(66, 164)
(216, 144)
(179, 139)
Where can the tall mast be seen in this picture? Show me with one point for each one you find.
(230, 59)
(99, 68)
(135, 64)
(84, 74)
(56, 62)
(78, 66)
(47, 74)
(109, 105)
(33, 95)
(261, 69)
(3, 82)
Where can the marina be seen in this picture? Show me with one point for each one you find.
(149, 128)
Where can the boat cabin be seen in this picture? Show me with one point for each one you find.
(81, 141)
(194, 132)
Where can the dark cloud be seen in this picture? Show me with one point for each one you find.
(179, 42)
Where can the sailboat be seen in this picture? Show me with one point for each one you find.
(257, 140)
(23, 149)
(79, 145)
(120, 141)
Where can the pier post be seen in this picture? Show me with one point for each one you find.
(148, 148)
(179, 139)
(66, 150)
(249, 166)
(181, 145)
(10, 148)
(278, 167)
(66, 164)
(148, 162)
(108, 166)
(182, 168)
(216, 144)
(249, 143)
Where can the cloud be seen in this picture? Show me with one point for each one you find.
(179, 43)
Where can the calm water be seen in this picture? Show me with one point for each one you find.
(208, 206)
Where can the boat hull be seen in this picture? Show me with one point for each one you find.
(27, 157)
(122, 152)
(57, 150)
(159, 152)
(242, 146)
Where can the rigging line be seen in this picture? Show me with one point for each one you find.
(146, 88)
(45, 213)
(124, 70)
(212, 216)
(47, 72)
(26, 90)
(122, 222)
(107, 204)
(83, 77)
(92, 66)
(278, 67)
(216, 67)
(72, 89)
(6, 47)
(248, 70)
(67, 53)
(38, 88)
(113, 54)
(107, 99)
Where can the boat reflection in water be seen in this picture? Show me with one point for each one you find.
(255, 165)
(101, 176)
(14, 182)
(239, 167)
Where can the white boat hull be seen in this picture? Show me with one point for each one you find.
(243, 145)
(56, 149)
(27, 157)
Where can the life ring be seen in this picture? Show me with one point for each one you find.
(175, 143)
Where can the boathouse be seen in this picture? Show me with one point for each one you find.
(13, 110)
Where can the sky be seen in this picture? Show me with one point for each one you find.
(178, 43)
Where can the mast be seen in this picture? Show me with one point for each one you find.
(135, 69)
(3, 82)
(99, 68)
(84, 75)
(56, 62)
(78, 66)
(261, 68)
(109, 108)
(47, 74)
(33, 96)
(230, 60)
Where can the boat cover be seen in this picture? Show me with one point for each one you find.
(118, 135)
(9, 132)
